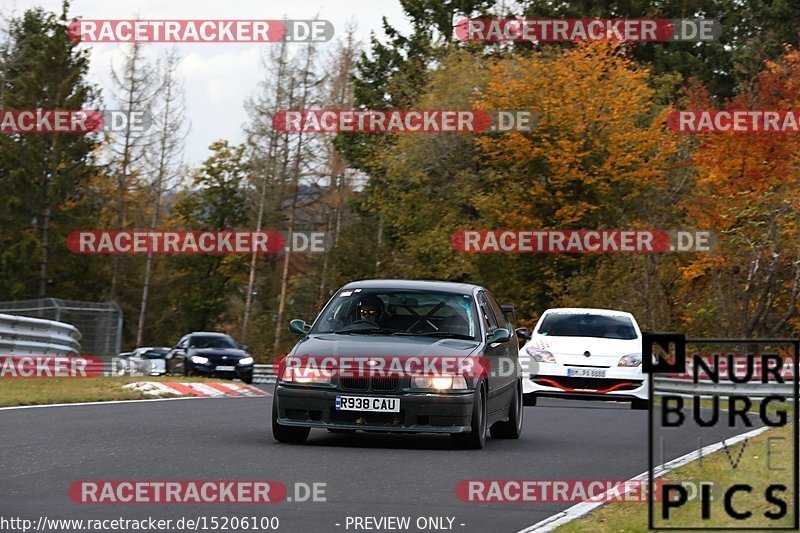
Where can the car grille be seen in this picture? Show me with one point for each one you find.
(385, 383)
(354, 383)
(589, 383)
(378, 383)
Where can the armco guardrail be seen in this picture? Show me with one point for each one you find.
(263, 374)
(697, 372)
(684, 386)
(20, 335)
(754, 389)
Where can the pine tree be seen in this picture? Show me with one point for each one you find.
(40, 174)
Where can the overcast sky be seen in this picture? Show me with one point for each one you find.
(218, 77)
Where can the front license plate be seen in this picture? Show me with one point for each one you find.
(225, 368)
(365, 403)
(586, 372)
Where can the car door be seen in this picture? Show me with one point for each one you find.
(495, 352)
(176, 357)
(510, 371)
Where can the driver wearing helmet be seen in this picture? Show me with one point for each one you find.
(370, 309)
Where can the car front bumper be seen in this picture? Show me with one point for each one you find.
(620, 383)
(420, 412)
(210, 370)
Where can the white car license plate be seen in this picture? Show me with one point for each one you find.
(225, 368)
(586, 372)
(365, 403)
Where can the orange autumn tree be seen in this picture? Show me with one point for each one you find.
(748, 191)
(599, 146)
(598, 158)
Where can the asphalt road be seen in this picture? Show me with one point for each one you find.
(44, 450)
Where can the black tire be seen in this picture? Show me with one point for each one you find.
(512, 428)
(248, 380)
(186, 371)
(289, 434)
(640, 405)
(475, 439)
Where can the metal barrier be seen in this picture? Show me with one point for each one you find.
(676, 376)
(100, 323)
(21, 335)
(266, 374)
(755, 390)
(263, 374)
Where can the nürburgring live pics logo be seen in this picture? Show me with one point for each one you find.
(706, 395)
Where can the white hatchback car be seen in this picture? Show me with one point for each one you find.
(144, 361)
(588, 354)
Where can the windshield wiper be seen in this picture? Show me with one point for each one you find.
(438, 334)
(382, 331)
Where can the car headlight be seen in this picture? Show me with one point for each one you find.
(634, 359)
(540, 356)
(246, 361)
(199, 359)
(304, 376)
(439, 382)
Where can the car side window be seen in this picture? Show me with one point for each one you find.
(486, 311)
(502, 319)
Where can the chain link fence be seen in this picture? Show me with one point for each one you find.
(100, 323)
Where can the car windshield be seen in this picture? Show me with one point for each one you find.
(587, 325)
(208, 341)
(399, 312)
(155, 354)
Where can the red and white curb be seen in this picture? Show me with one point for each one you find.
(226, 390)
(582, 509)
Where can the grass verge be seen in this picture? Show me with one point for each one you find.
(716, 468)
(42, 391)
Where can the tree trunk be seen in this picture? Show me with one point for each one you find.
(45, 261)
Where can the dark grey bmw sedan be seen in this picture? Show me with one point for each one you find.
(403, 356)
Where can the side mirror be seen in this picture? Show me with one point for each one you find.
(508, 309)
(243, 347)
(499, 335)
(299, 326)
(523, 334)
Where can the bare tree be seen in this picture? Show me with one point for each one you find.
(135, 88)
(307, 82)
(264, 142)
(338, 91)
(166, 159)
